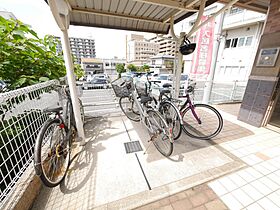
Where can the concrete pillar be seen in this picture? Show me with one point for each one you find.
(261, 88)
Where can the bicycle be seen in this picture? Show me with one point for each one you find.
(167, 108)
(200, 121)
(53, 143)
(135, 105)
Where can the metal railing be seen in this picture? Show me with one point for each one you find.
(222, 92)
(21, 118)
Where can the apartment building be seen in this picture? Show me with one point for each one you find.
(241, 32)
(80, 48)
(101, 65)
(166, 45)
(140, 50)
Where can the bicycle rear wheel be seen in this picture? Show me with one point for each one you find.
(159, 132)
(52, 153)
(210, 125)
(172, 116)
(129, 108)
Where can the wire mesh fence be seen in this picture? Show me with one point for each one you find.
(21, 118)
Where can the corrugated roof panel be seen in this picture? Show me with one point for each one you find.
(136, 8)
(129, 7)
(97, 4)
(122, 6)
(156, 12)
(114, 5)
(143, 9)
(162, 12)
(89, 4)
(150, 11)
(106, 5)
(81, 4)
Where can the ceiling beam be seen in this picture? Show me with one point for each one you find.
(190, 3)
(169, 3)
(111, 14)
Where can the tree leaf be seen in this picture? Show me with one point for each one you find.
(43, 79)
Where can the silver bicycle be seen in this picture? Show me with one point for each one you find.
(135, 105)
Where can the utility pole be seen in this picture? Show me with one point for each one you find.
(210, 78)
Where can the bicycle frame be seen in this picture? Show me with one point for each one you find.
(140, 107)
(188, 104)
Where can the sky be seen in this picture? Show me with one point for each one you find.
(108, 42)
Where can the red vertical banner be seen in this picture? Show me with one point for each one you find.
(204, 48)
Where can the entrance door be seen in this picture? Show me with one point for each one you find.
(275, 116)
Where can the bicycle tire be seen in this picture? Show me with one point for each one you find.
(162, 130)
(128, 108)
(40, 161)
(171, 117)
(211, 122)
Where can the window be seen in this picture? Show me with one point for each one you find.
(249, 41)
(241, 41)
(234, 42)
(227, 44)
(106, 64)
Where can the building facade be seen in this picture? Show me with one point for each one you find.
(166, 46)
(139, 50)
(107, 66)
(162, 64)
(241, 32)
(80, 48)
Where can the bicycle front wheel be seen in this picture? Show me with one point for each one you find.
(206, 125)
(129, 108)
(159, 132)
(52, 153)
(172, 116)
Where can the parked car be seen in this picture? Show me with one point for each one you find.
(100, 83)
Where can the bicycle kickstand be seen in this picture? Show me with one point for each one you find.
(150, 142)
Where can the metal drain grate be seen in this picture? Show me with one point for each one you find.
(133, 146)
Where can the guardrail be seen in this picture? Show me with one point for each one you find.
(21, 118)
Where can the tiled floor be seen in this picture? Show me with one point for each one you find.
(95, 179)
(254, 187)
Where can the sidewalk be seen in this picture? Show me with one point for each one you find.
(238, 169)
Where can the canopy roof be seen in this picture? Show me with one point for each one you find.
(136, 15)
(142, 15)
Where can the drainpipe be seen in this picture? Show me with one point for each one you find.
(210, 78)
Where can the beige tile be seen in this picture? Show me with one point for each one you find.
(182, 204)
(262, 156)
(199, 199)
(178, 196)
(216, 204)
(210, 194)
(169, 207)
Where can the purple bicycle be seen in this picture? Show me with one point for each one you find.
(200, 121)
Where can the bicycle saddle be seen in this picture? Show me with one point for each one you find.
(56, 109)
(145, 99)
(166, 85)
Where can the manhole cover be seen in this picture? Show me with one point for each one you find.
(133, 146)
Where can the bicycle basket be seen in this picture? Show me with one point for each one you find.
(123, 90)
